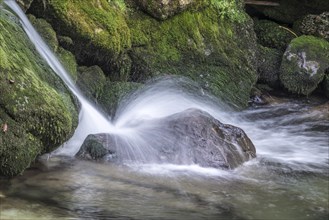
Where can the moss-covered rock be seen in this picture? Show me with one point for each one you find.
(68, 61)
(34, 104)
(269, 63)
(113, 93)
(46, 31)
(316, 25)
(204, 45)
(92, 148)
(91, 81)
(97, 28)
(304, 64)
(271, 34)
(164, 9)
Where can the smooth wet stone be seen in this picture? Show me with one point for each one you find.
(189, 137)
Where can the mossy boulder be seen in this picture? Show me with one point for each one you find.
(35, 105)
(46, 31)
(269, 62)
(91, 81)
(69, 62)
(271, 34)
(204, 45)
(114, 92)
(316, 25)
(162, 10)
(304, 64)
(93, 148)
(98, 29)
(291, 10)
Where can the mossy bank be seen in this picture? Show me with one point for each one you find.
(37, 113)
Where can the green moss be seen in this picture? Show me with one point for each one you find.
(304, 64)
(232, 10)
(46, 31)
(34, 102)
(92, 148)
(198, 44)
(98, 27)
(68, 61)
(113, 93)
(269, 66)
(130, 45)
(91, 81)
(272, 35)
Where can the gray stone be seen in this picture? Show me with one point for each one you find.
(189, 137)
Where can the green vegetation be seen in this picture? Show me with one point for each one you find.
(197, 44)
(272, 35)
(34, 103)
(93, 25)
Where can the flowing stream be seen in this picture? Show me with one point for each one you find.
(287, 180)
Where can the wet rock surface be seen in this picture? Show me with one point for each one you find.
(189, 137)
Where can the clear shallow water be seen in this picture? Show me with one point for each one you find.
(288, 179)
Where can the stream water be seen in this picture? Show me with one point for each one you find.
(287, 180)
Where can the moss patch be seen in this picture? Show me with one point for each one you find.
(271, 34)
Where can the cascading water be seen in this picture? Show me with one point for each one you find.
(169, 96)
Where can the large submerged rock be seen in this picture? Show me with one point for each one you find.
(189, 137)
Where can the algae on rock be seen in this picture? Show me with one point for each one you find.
(304, 64)
(34, 103)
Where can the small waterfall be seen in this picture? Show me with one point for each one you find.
(90, 119)
(276, 138)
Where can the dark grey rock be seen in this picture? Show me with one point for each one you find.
(189, 137)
